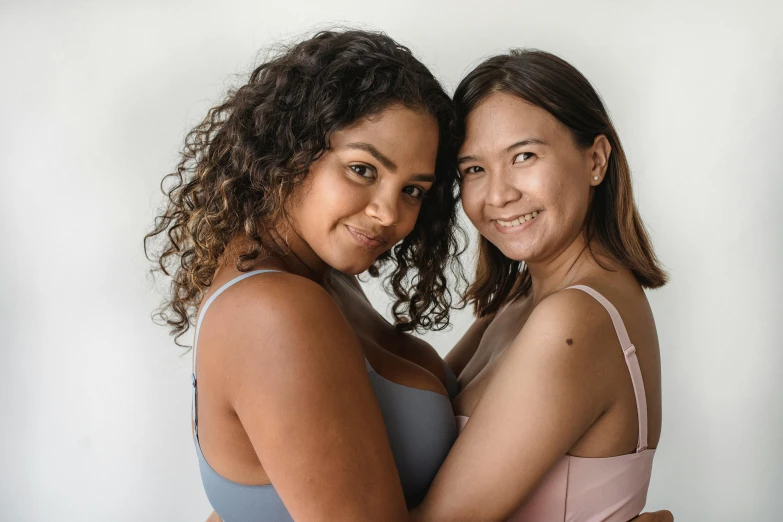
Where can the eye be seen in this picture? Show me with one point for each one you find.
(414, 191)
(523, 156)
(363, 171)
(473, 169)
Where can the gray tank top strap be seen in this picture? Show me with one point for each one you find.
(419, 423)
(198, 328)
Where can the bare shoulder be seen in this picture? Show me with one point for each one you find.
(284, 291)
(570, 311)
(274, 318)
(292, 365)
(275, 297)
(569, 325)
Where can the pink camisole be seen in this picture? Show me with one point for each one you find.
(610, 489)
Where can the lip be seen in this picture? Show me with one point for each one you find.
(366, 239)
(516, 228)
(512, 217)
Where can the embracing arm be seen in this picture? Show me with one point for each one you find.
(458, 357)
(301, 391)
(543, 397)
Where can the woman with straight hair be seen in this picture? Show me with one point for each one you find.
(560, 401)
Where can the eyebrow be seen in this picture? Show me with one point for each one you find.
(429, 178)
(389, 164)
(521, 143)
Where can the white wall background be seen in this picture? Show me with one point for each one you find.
(96, 97)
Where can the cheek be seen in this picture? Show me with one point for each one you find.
(408, 215)
(563, 199)
(551, 194)
(330, 198)
(553, 187)
(472, 201)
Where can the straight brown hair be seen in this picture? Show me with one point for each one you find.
(549, 82)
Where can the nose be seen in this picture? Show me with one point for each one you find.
(383, 207)
(501, 189)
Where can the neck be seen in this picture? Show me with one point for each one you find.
(291, 254)
(297, 256)
(563, 269)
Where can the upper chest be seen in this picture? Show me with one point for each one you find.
(500, 334)
(370, 327)
(396, 356)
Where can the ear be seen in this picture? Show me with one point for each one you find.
(599, 153)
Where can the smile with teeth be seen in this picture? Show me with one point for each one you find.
(517, 221)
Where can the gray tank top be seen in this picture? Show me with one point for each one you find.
(420, 425)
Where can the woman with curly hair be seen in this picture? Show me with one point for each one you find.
(335, 158)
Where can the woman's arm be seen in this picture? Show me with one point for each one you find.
(542, 399)
(459, 356)
(298, 383)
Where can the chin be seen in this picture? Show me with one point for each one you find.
(351, 271)
(353, 267)
(516, 254)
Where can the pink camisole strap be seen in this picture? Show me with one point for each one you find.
(608, 489)
(630, 360)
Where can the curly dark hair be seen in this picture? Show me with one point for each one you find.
(241, 164)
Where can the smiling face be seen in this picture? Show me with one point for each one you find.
(363, 195)
(526, 184)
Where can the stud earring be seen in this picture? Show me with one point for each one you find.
(595, 178)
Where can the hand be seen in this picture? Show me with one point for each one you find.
(658, 516)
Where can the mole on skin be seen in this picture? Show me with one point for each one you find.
(569, 342)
